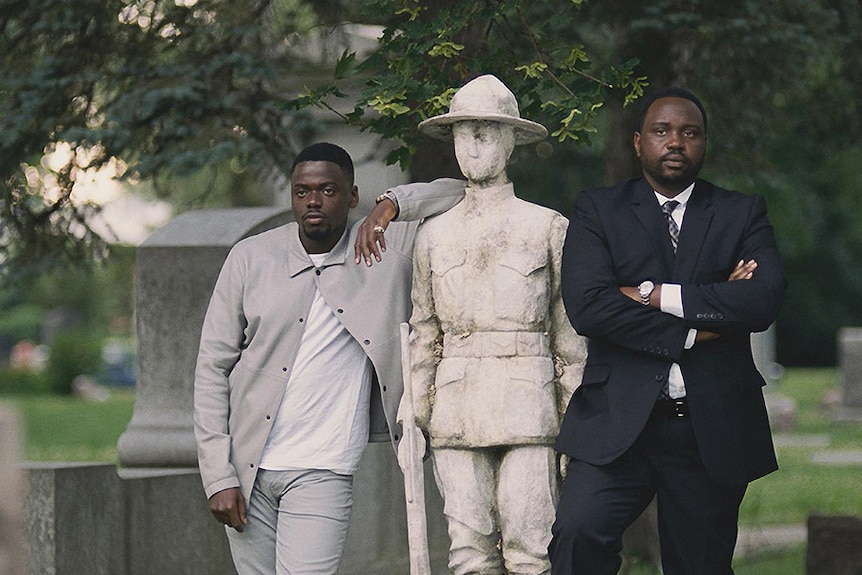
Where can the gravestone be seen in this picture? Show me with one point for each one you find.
(781, 408)
(176, 266)
(834, 545)
(850, 370)
(13, 551)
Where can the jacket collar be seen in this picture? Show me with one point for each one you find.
(695, 225)
(297, 258)
(649, 214)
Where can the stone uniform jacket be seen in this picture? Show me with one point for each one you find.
(487, 292)
(618, 236)
(255, 321)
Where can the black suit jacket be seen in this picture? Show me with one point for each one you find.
(618, 236)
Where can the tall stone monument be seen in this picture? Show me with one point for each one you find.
(175, 266)
(850, 373)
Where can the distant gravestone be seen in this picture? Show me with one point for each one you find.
(175, 272)
(834, 545)
(850, 369)
(13, 556)
(781, 409)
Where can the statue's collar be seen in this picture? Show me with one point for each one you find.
(490, 194)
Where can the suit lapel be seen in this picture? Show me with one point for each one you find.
(649, 214)
(695, 225)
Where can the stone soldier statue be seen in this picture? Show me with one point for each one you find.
(495, 360)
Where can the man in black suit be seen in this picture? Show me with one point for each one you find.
(670, 404)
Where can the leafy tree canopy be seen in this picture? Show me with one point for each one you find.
(165, 88)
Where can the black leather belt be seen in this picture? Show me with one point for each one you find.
(671, 408)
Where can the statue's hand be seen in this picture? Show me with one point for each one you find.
(407, 457)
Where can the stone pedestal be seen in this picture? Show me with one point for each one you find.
(90, 519)
(168, 526)
(850, 369)
(74, 519)
(176, 269)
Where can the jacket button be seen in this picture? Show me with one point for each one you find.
(659, 377)
(317, 272)
(251, 465)
(384, 388)
(340, 310)
(366, 341)
(268, 417)
(301, 320)
(283, 369)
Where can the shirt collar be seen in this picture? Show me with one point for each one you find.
(681, 197)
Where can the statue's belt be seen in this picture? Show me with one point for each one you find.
(497, 344)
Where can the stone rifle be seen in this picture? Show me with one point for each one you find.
(412, 467)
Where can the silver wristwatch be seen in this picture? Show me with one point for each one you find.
(645, 290)
(389, 195)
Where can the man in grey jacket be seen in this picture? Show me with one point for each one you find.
(294, 375)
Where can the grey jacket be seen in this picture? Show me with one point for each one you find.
(256, 318)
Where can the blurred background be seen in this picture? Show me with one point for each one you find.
(117, 115)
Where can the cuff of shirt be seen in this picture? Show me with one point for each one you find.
(671, 299)
(689, 340)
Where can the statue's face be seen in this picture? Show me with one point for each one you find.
(482, 148)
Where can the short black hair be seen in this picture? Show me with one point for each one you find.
(326, 152)
(670, 92)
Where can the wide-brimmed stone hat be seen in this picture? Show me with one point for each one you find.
(484, 98)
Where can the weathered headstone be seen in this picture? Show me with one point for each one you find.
(850, 369)
(176, 269)
(13, 551)
(834, 545)
(781, 408)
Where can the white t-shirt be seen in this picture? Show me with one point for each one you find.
(323, 419)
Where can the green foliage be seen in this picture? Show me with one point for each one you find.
(207, 94)
(430, 49)
(167, 88)
(19, 321)
(18, 380)
(173, 89)
(73, 353)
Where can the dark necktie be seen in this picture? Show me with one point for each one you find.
(668, 207)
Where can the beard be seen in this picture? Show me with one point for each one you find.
(316, 232)
(673, 178)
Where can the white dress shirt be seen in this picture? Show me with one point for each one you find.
(671, 296)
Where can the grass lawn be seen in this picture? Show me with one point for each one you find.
(66, 428)
(800, 488)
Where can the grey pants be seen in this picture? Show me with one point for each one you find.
(297, 524)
